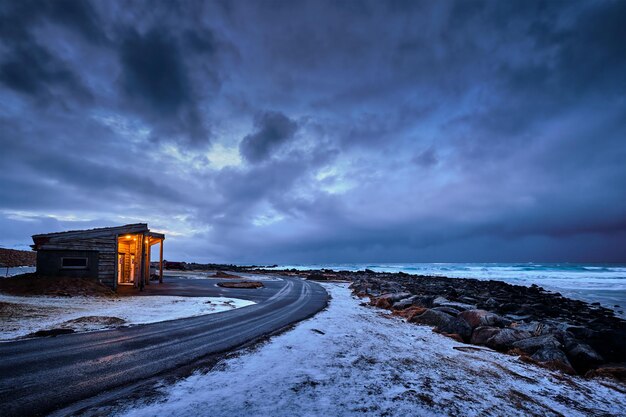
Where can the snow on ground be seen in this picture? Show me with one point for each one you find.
(9, 272)
(353, 360)
(210, 274)
(23, 315)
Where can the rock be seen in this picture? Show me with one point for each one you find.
(582, 357)
(444, 302)
(509, 307)
(610, 343)
(491, 303)
(381, 302)
(504, 339)
(444, 323)
(482, 334)
(476, 318)
(553, 358)
(533, 344)
(393, 297)
(519, 317)
(448, 310)
(404, 303)
(536, 328)
(423, 301)
(410, 312)
(387, 300)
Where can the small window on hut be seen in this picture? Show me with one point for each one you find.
(74, 263)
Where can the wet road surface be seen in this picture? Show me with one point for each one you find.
(38, 376)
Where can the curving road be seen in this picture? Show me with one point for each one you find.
(38, 376)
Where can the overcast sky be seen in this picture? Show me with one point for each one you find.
(312, 131)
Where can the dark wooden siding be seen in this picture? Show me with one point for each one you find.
(105, 246)
(50, 263)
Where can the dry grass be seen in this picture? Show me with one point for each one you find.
(33, 284)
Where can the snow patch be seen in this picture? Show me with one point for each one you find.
(210, 274)
(18, 270)
(24, 315)
(354, 360)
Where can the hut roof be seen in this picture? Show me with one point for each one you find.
(94, 233)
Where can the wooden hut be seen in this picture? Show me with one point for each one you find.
(113, 255)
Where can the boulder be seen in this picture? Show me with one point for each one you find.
(582, 356)
(423, 301)
(444, 323)
(381, 302)
(536, 328)
(404, 303)
(491, 303)
(610, 343)
(533, 344)
(579, 332)
(477, 318)
(444, 302)
(448, 310)
(482, 334)
(410, 312)
(509, 307)
(387, 300)
(394, 297)
(504, 339)
(553, 358)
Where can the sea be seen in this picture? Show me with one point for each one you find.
(603, 283)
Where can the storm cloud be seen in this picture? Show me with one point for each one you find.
(272, 130)
(319, 131)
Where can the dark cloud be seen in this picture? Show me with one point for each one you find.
(29, 67)
(156, 79)
(272, 129)
(32, 70)
(78, 16)
(154, 73)
(400, 131)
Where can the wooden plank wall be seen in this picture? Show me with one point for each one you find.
(107, 256)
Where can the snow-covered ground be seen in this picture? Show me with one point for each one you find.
(210, 274)
(9, 272)
(21, 316)
(353, 360)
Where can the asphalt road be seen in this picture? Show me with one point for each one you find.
(38, 376)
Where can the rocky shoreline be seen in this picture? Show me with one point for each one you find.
(540, 326)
